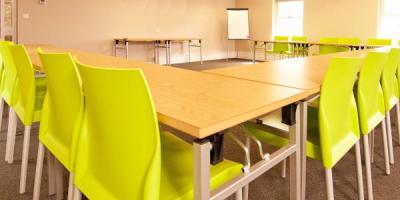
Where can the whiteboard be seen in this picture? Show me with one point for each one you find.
(238, 24)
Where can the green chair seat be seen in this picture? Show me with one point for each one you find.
(327, 49)
(41, 85)
(273, 120)
(177, 161)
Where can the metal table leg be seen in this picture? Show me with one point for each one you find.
(295, 159)
(126, 49)
(115, 47)
(201, 156)
(201, 51)
(189, 42)
(155, 53)
(303, 147)
(254, 51)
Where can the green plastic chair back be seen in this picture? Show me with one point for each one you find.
(348, 41)
(9, 74)
(389, 80)
(298, 39)
(371, 107)
(379, 41)
(327, 49)
(338, 117)
(119, 151)
(25, 87)
(279, 47)
(62, 108)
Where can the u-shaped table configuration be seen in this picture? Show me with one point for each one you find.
(205, 105)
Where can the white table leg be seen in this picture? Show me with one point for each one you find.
(303, 147)
(295, 159)
(201, 161)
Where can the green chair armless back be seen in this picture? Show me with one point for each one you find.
(119, 152)
(298, 39)
(389, 79)
(338, 117)
(379, 42)
(62, 107)
(370, 101)
(326, 49)
(26, 104)
(9, 74)
(348, 41)
(279, 47)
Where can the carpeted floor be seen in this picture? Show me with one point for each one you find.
(269, 186)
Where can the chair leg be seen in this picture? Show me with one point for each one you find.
(398, 120)
(71, 186)
(1, 111)
(372, 144)
(25, 158)
(389, 135)
(59, 181)
(38, 173)
(12, 128)
(246, 192)
(360, 184)
(283, 170)
(51, 173)
(368, 167)
(239, 195)
(329, 184)
(385, 147)
(77, 194)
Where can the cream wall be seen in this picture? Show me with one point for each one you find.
(261, 23)
(92, 24)
(341, 18)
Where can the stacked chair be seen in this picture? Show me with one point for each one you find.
(348, 41)
(113, 114)
(280, 49)
(299, 51)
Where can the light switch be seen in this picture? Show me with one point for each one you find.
(25, 16)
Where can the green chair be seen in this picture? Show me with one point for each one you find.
(61, 117)
(30, 92)
(333, 128)
(390, 92)
(371, 108)
(121, 153)
(348, 41)
(280, 48)
(7, 93)
(327, 49)
(1, 88)
(299, 51)
(379, 42)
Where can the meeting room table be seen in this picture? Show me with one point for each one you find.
(205, 106)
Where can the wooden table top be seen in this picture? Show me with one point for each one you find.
(318, 43)
(199, 104)
(305, 73)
